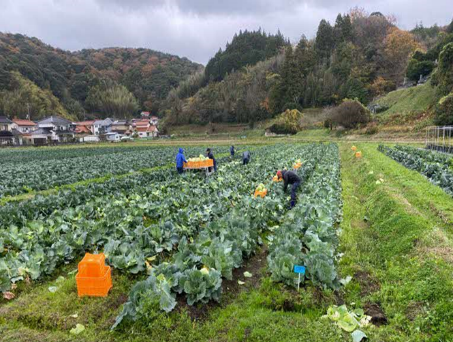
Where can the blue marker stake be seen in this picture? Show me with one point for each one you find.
(300, 270)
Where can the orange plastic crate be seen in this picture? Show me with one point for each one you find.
(262, 194)
(92, 265)
(297, 165)
(95, 286)
(207, 163)
(276, 179)
(200, 164)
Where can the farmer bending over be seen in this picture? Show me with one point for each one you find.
(292, 178)
(245, 158)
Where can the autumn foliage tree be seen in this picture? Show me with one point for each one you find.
(399, 46)
(351, 114)
(287, 122)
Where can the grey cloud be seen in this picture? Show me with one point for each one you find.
(191, 28)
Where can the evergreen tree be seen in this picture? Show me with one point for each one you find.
(324, 42)
(284, 94)
(246, 48)
(450, 27)
(445, 69)
(346, 29)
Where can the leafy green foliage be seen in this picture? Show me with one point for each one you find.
(287, 122)
(200, 286)
(435, 166)
(445, 69)
(308, 234)
(348, 320)
(148, 75)
(59, 167)
(351, 114)
(246, 48)
(200, 263)
(152, 293)
(444, 111)
(23, 96)
(113, 101)
(361, 56)
(416, 68)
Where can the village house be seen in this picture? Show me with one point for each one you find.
(121, 127)
(24, 126)
(6, 136)
(5, 124)
(154, 120)
(113, 136)
(102, 126)
(84, 131)
(84, 127)
(22, 130)
(53, 129)
(144, 129)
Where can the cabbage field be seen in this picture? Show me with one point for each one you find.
(199, 257)
(28, 170)
(183, 224)
(436, 166)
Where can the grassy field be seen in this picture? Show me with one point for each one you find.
(408, 106)
(396, 242)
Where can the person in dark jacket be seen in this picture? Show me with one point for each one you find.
(245, 157)
(290, 177)
(180, 160)
(232, 151)
(211, 156)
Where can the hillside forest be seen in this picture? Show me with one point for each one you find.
(360, 57)
(257, 76)
(40, 80)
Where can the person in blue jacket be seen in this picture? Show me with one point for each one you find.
(232, 151)
(180, 160)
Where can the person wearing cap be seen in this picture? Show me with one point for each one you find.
(290, 178)
(211, 156)
(180, 160)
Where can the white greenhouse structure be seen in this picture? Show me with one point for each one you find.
(440, 138)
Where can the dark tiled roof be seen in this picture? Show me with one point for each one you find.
(41, 131)
(5, 120)
(56, 120)
(60, 132)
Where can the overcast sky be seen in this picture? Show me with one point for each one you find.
(195, 29)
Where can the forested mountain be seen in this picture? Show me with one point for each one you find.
(37, 77)
(361, 56)
(257, 76)
(246, 48)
